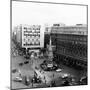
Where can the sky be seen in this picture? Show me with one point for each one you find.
(43, 13)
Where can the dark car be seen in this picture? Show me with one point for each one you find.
(83, 80)
(27, 56)
(26, 62)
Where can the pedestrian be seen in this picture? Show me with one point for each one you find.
(32, 82)
(45, 81)
(40, 71)
(53, 75)
(53, 84)
(19, 72)
(44, 77)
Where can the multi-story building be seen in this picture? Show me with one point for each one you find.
(29, 37)
(71, 43)
(32, 36)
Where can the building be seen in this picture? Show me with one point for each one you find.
(32, 37)
(17, 34)
(71, 43)
(29, 37)
(49, 26)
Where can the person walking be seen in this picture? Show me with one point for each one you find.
(45, 80)
(32, 82)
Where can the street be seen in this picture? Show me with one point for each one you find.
(29, 68)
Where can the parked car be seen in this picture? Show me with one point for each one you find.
(17, 79)
(26, 62)
(58, 70)
(14, 70)
(27, 56)
(83, 80)
(66, 83)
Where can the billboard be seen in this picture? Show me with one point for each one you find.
(32, 36)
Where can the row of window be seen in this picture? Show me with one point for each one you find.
(31, 39)
(70, 42)
(36, 34)
(78, 38)
(32, 31)
(73, 51)
(35, 44)
(33, 28)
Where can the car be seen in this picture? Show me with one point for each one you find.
(83, 80)
(66, 75)
(26, 62)
(59, 70)
(17, 79)
(27, 56)
(65, 83)
(69, 78)
(14, 70)
(20, 64)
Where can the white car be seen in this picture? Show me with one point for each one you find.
(65, 75)
(59, 70)
(18, 79)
